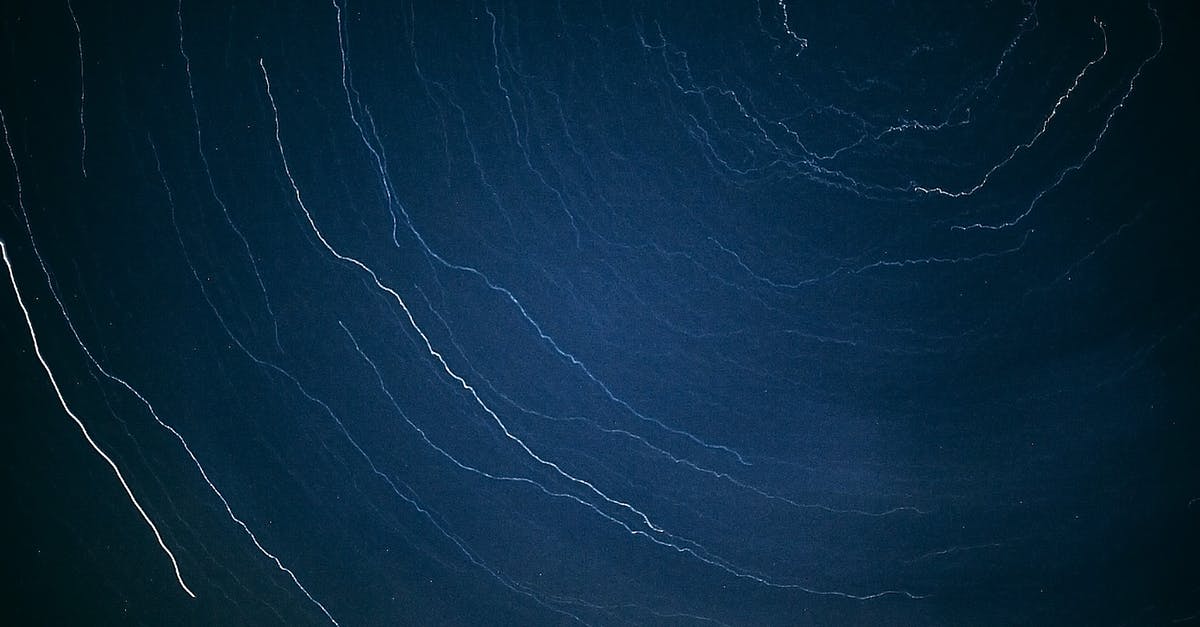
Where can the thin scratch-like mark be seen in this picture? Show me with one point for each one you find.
(688, 547)
(542, 334)
(54, 382)
(1066, 274)
(37, 349)
(129, 387)
(212, 186)
(883, 263)
(1036, 136)
(82, 92)
(1075, 167)
(433, 352)
(228, 510)
(347, 87)
(952, 550)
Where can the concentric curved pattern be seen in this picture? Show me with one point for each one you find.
(533, 313)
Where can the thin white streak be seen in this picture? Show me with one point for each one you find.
(82, 92)
(82, 428)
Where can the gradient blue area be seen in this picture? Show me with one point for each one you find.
(601, 313)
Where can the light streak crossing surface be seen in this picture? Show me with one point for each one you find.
(599, 313)
(37, 349)
(127, 387)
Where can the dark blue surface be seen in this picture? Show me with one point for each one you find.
(521, 313)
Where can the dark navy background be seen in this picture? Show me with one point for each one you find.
(652, 237)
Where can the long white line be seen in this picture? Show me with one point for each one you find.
(83, 428)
